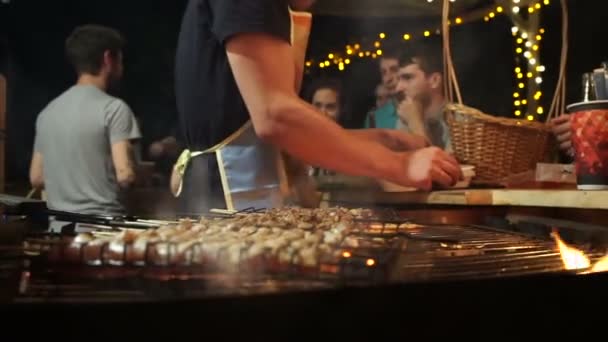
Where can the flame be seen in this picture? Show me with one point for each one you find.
(600, 266)
(572, 258)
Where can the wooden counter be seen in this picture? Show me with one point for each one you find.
(554, 198)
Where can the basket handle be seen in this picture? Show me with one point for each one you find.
(558, 105)
(452, 87)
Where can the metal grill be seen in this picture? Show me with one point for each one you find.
(388, 249)
(477, 253)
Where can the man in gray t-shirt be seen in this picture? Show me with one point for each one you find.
(83, 150)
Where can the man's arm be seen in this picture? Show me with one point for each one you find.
(124, 163)
(37, 171)
(264, 71)
(393, 139)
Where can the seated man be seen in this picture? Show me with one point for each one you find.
(421, 86)
(385, 116)
(83, 154)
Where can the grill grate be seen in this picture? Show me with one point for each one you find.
(389, 249)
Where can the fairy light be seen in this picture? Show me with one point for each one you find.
(516, 95)
(530, 117)
(527, 39)
(517, 112)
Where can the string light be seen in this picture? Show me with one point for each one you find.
(337, 57)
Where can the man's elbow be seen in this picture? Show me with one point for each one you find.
(126, 179)
(273, 125)
(37, 182)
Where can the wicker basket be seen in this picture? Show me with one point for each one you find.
(497, 147)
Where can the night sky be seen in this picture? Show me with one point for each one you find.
(32, 33)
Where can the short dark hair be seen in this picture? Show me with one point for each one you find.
(428, 57)
(86, 45)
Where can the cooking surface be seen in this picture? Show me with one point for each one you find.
(389, 250)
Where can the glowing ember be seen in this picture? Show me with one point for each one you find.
(572, 258)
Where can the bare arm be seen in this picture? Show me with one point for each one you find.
(281, 118)
(124, 163)
(393, 139)
(37, 171)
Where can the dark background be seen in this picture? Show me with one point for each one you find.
(32, 33)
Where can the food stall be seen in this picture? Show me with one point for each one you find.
(367, 264)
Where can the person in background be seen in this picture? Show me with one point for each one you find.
(328, 97)
(83, 151)
(164, 152)
(420, 84)
(238, 76)
(386, 116)
(561, 128)
(382, 96)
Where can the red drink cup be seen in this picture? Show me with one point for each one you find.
(589, 121)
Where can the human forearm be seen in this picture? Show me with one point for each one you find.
(312, 138)
(393, 139)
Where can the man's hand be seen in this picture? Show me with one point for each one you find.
(561, 128)
(430, 165)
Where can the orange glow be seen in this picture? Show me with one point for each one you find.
(347, 254)
(572, 258)
(370, 262)
(601, 266)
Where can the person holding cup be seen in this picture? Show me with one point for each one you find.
(587, 140)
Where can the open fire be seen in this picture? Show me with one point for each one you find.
(575, 259)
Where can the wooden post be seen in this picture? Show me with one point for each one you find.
(2, 130)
